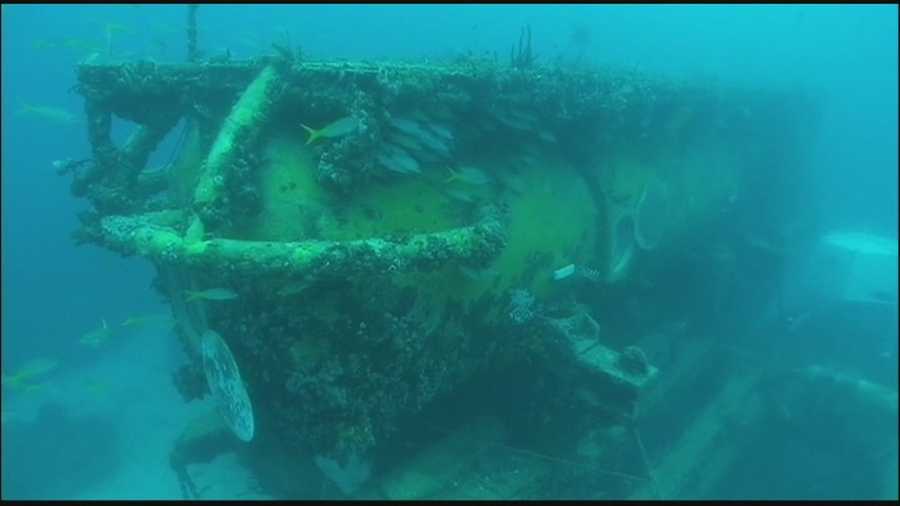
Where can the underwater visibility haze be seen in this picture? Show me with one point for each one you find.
(449, 252)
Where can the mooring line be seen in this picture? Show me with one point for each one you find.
(549, 458)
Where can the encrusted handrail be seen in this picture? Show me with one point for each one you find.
(154, 235)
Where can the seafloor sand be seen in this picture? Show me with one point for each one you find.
(104, 431)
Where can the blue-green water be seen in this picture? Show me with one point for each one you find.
(100, 421)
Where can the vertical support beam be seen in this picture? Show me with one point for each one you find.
(192, 33)
(111, 183)
(238, 134)
(99, 124)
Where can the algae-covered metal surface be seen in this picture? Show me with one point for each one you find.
(370, 239)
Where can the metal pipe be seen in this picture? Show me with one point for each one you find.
(192, 32)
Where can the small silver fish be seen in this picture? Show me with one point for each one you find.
(407, 126)
(461, 196)
(422, 136)
(468, 175)
(516, 120)
(547, 136)
(524, 161)
(398, 160)
(293, 288)
(479, 274)
(434, 144)
(50, 114)
(405, 141)
(564, 272)
(441, 131)
(215, 294)
(430, 157)
(442, 112)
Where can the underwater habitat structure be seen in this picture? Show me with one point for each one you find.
(437, 280)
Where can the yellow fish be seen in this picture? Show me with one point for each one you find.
(31, 370)
(44, 44)
(139, 321)
(97, 336)
(96, 387)
(76, 44)
(6, 416)
(51, 114)
(338, 128)
(91, 58)
(117, 28)
(211, 294)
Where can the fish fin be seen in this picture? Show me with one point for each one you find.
(14, 382)
(23, 107)
(313, 134)
(453, 175)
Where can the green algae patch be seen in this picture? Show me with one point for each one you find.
(625, 174)
(296, 207)
(292, 200)
(552, 223)
(391, 208)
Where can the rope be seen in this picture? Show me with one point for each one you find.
(549, 458)
(643, 451)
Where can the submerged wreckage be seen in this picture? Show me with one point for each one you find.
(448, 255)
